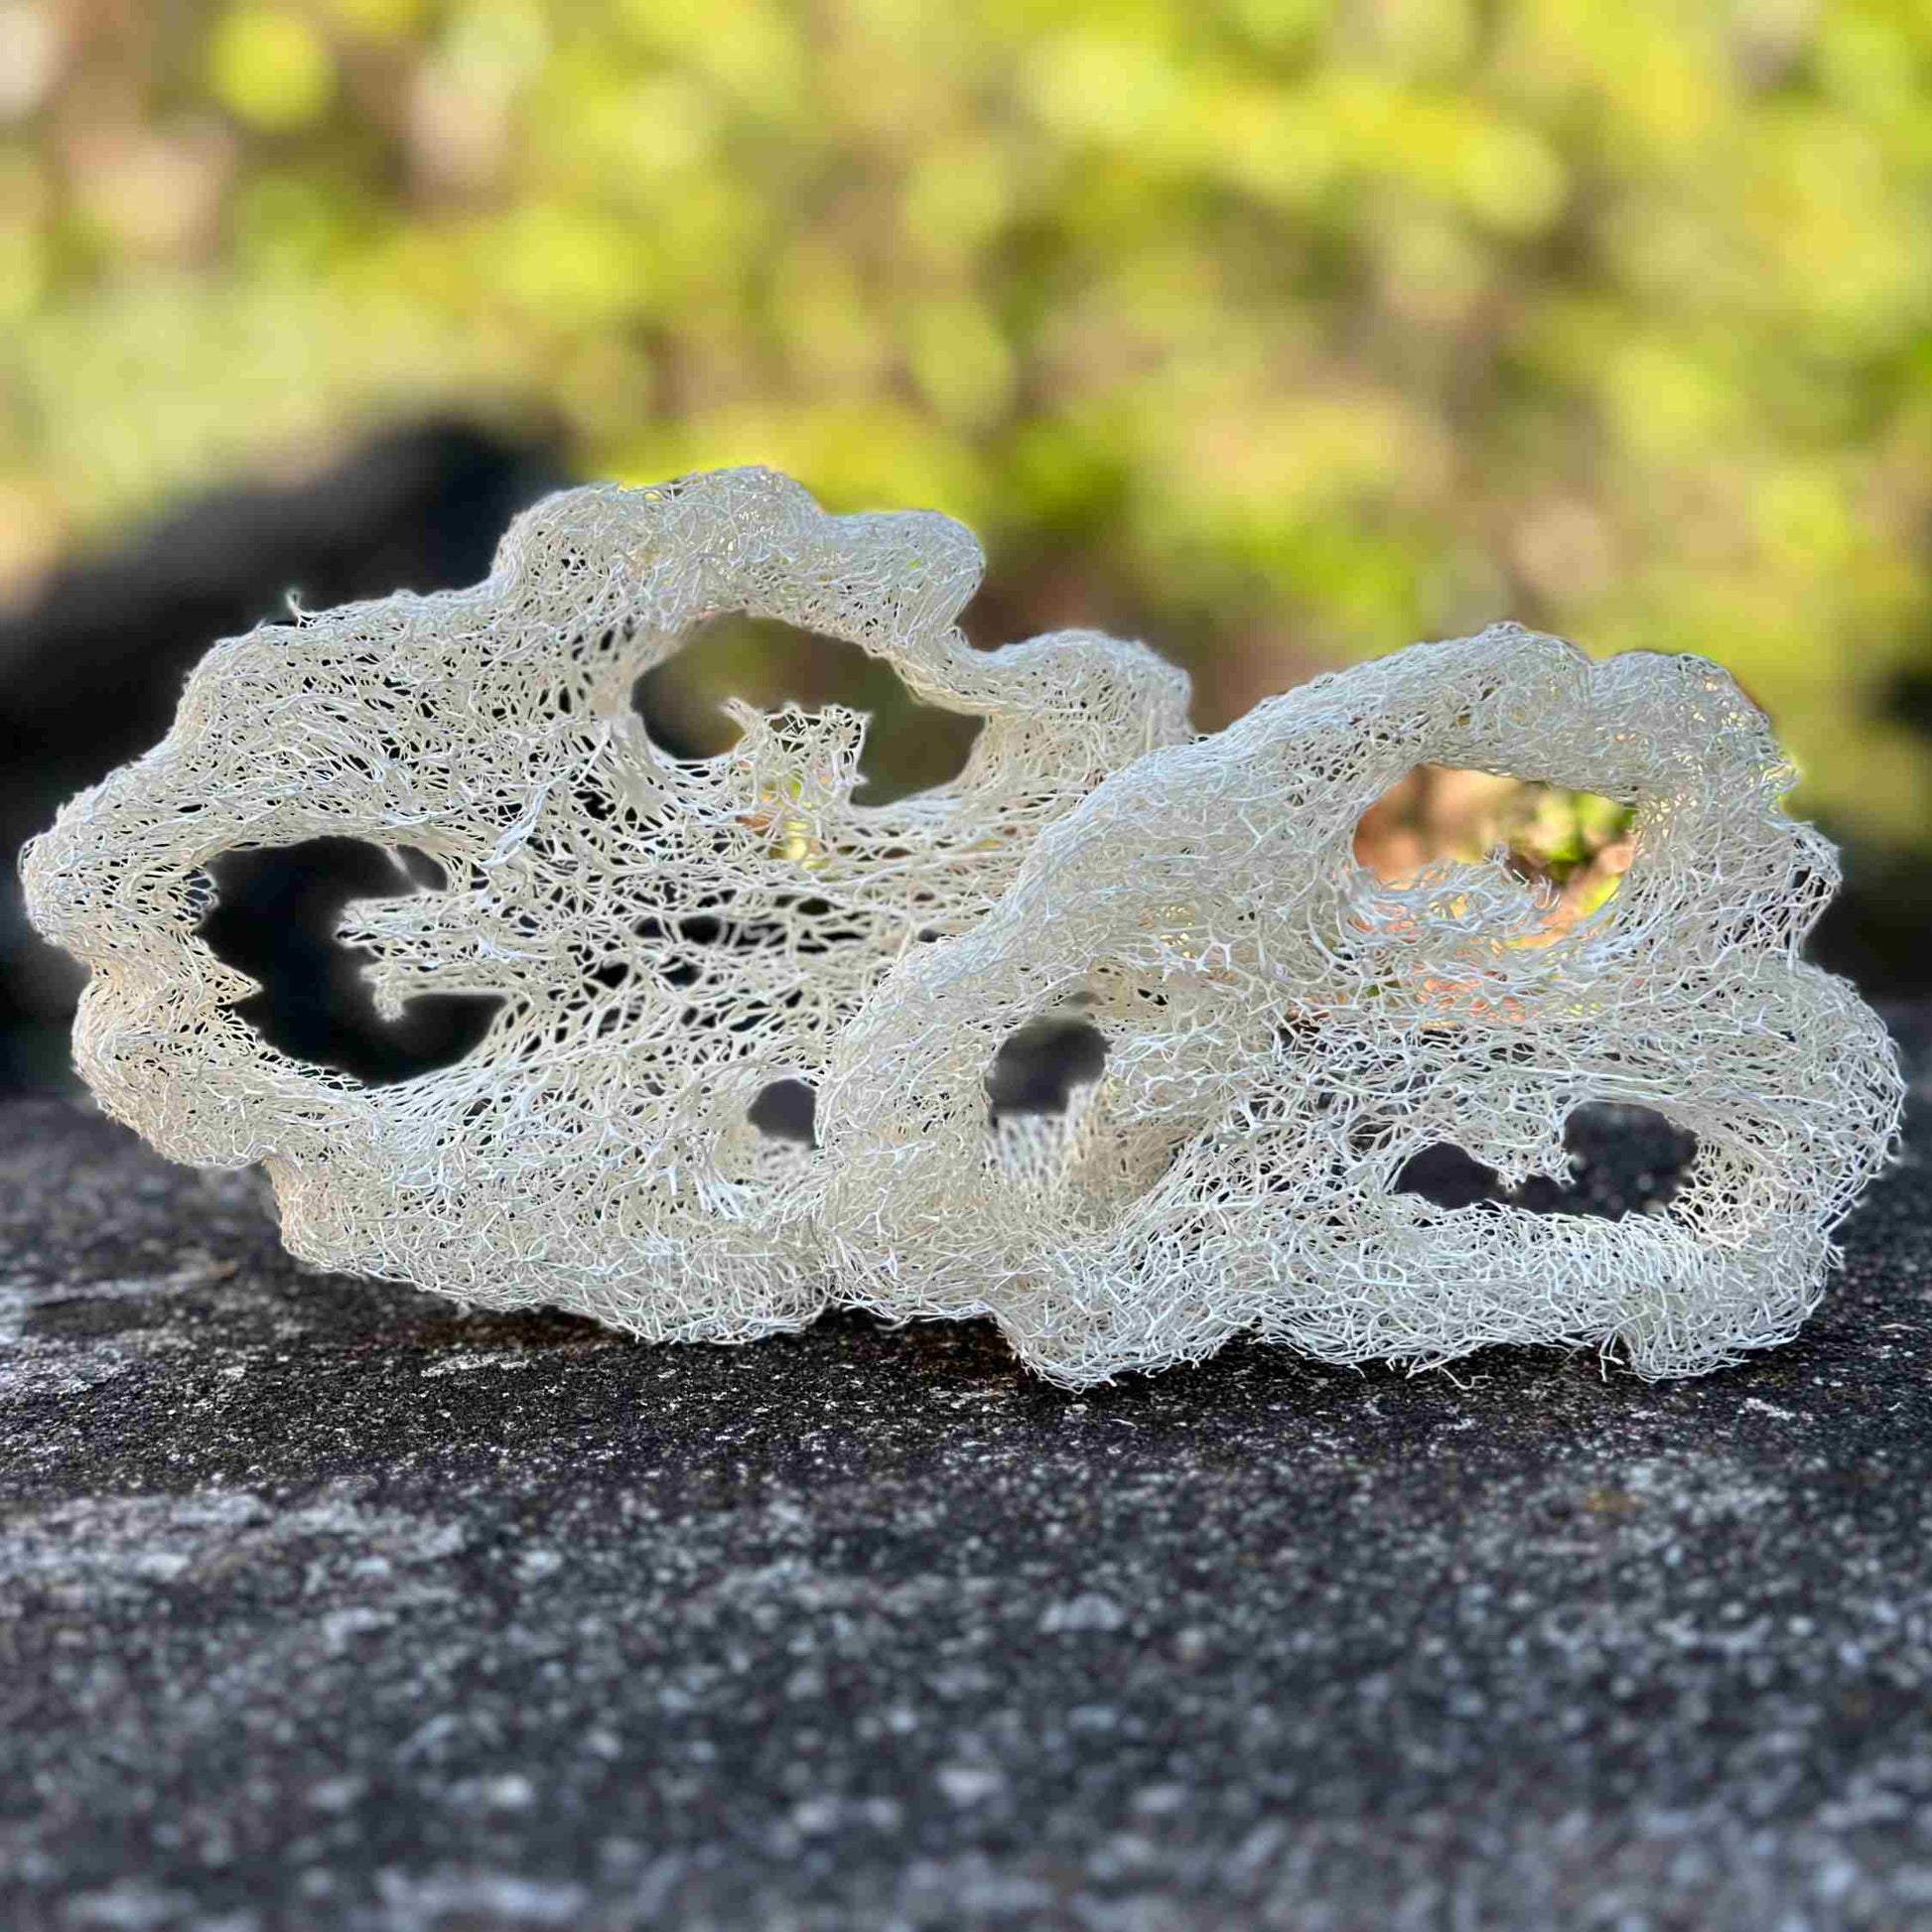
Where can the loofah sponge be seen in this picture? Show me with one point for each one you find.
(1285, 1031)
(668, 938)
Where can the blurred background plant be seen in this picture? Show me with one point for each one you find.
(1279, 331)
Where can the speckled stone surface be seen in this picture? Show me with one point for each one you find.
(323, 1604)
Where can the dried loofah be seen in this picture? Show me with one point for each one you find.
(669, 938)
(1285, 1031)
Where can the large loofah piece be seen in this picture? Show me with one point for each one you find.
(1284, 1030)
(669, 938)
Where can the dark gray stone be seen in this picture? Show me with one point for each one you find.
(322, 1604)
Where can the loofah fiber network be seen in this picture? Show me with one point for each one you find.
(669, 938)
(1285, 1031)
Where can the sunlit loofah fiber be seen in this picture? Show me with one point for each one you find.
(668, 937)
(1284, 1030)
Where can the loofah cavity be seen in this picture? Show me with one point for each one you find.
(671, 941)
(1285, 1032)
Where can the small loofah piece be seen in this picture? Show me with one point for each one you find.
(1285, 1031)
(669, 938)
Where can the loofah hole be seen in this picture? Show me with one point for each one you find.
(1576, 845)
(1039, 1063)
(1623, 1159)
(909, 747)
(274, 917)
(786, 1110)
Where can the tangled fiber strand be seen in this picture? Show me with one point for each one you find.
(1285, 1031)
(668, 938)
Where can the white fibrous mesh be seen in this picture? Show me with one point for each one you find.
(1284, 1030)
(668, 938)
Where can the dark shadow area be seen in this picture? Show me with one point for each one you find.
(1623, 1159)
(1908, 701)
(788, 1110)
(91, 672)
(1040, 1065)
(1874, 931)
(275, 918)
(909, 747)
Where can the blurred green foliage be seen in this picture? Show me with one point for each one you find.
(1281, 331)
